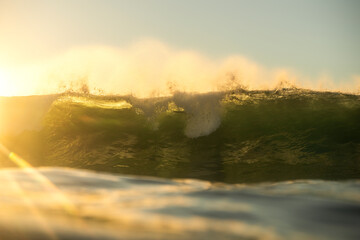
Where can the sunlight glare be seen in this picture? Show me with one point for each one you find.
(6, 88)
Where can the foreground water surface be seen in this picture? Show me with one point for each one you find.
(89, 205)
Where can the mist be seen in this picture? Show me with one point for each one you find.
(150, 68)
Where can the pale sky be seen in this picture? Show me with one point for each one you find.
(311, 36)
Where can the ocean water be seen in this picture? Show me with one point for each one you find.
(280, 164)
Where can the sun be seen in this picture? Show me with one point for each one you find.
(6, 87)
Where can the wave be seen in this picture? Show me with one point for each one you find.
(231, 136)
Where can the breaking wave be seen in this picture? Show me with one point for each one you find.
(231, 136)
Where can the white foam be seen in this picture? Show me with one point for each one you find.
(203, 112)
(150, 68)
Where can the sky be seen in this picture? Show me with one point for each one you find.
(313, 37)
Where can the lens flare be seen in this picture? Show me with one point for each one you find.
(56, 193)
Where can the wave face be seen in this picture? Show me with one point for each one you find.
(237, 136)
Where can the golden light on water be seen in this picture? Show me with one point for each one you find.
(53, 191)
(59, 197)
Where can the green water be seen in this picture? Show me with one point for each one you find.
(233, 137)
